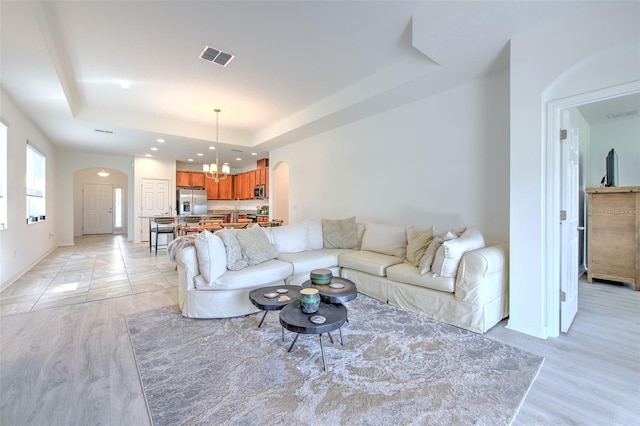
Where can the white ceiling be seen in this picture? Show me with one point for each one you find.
(300, 67)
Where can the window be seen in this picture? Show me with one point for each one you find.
(36, 184)
(3, 175)
(118, 202)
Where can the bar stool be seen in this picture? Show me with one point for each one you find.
(161, 225)
(191, 224)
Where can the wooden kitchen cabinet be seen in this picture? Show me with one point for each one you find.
(613, 234)
(245, 182)
(222, 190)
(186, 179)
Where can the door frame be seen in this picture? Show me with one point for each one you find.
(551, 186)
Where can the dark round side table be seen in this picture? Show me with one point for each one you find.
(293, 319)
(329, 294)
(260, 301)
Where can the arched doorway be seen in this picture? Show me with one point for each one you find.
(280, 192)
(99, 202)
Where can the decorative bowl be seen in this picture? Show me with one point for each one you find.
(321, 276)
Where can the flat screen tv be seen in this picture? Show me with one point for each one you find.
(612, 169)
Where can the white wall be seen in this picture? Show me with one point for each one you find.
(441, 161)
(623, 135)
(22, 245)
(547, 63)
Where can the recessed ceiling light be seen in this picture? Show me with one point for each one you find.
(147, 155)
(199, 154)
(125, 84)
(212, 147)
(254, 153)
(153, 148)
(160, 140)
(238, 159)
(190, 159)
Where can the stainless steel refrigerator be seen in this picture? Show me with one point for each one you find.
(191, 201)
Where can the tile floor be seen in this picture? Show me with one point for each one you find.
(95, 268)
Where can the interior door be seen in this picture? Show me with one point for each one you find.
(155, 202)
(97, 209)
(569, 221)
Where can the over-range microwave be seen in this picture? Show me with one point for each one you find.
(258, 191)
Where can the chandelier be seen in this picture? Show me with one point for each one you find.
(213, 171)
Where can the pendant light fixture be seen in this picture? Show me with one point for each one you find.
(213, 171)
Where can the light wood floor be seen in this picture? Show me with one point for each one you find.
(66, 359)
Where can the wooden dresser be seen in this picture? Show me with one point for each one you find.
(613, 234)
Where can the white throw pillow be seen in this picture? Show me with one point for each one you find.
(314, 235)
(385, 239)
(235, 259)
(255, 245)
(212, 258)
(290, 238)
(425, 263)
(417, 243)
(450, 254)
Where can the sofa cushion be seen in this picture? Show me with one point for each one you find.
(339, 234)
(235, 260)
(255, 245)
(448, 256)
(306, 261)
(385, 239)
(212, 258)
(290, 238)
(426, 261)
(409, 274)
(368, 261)
(265, 273)
(417, 243)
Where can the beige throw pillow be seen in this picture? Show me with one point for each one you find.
(385, 239)
(449, 255)
(426, 261)
(255, 245)
(417, 244)
(339, 234)
(235, 260)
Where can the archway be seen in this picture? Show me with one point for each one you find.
(280, 192)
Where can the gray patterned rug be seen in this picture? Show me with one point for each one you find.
(395, 368)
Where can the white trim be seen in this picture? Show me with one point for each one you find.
(551, 202)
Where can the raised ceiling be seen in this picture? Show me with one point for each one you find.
(300, 67)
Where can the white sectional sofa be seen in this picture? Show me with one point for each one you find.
(466, 284)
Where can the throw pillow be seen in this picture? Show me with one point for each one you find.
(417, 243)
(385, 239)
(290, 238)
(450, 254)
(314, 234)
(211, 256)
(339, 234)
(255, 245)
(235, 260)
(426, 261)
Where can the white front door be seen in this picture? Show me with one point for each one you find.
(97, 209)
(155, 202)
(569, 196)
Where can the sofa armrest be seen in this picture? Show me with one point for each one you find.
(483, 275)
(188, 269)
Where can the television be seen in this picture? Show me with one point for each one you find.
(611, 178)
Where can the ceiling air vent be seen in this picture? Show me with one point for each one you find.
(217, 56)
(110, 132)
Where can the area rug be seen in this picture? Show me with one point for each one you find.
(395, 368)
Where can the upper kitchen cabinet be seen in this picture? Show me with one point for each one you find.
(262, 175)
(245, 183)
(222, 190)
(185, 179)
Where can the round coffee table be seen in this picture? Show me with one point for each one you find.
(257, 297)
(335, 295)
(293, 319)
